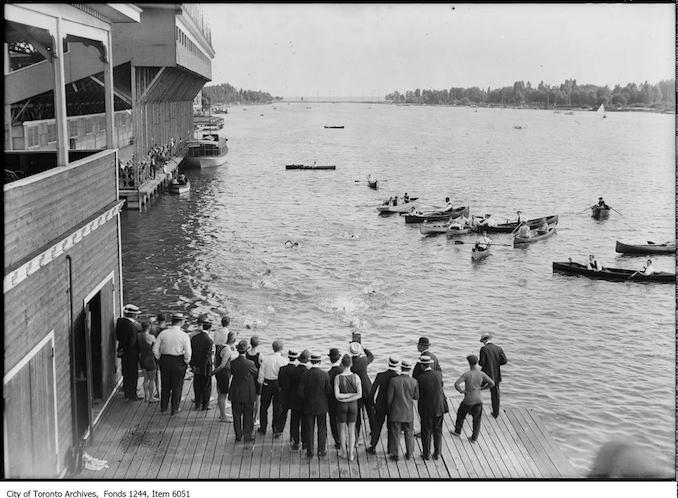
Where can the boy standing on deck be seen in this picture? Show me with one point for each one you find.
(474, 381)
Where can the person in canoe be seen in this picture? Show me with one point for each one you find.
(389, 201)
(461, 222)
(601, 204)
(544, 228)
(521, 217)
(416, 212)
(406, 198)
(483, 243)
(593, 264)
(395, 201)
(648, 269)
(488, 221)
(524, 230)
(448, 204)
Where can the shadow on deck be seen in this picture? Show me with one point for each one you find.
(139, 442)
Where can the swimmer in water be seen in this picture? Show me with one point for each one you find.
(289, 243)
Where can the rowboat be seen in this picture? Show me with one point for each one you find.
(179, 188)
(650, 248)
(372, 183)
(518, 241)
(433, 227)
(611, 274)
(599, 212)
(510, 227)
(479, 255)
(455, 231)
(400, 208)
(309, 166)
(335, 127)
(437, 215)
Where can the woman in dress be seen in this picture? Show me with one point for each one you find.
(347, 390)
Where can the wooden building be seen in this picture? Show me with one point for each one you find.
(62, 284)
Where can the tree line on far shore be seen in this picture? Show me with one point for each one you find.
(228, 94)
(568, 94)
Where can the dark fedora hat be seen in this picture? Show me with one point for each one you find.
(334, 354)
(423, 341)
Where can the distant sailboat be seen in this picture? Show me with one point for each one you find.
(601, 110)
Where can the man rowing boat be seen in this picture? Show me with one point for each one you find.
(648, 269)
(524, 230)
(601, 204)
(488, 221)
(484, 242)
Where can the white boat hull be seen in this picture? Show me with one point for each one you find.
(200, 162)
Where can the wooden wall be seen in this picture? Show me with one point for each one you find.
(38, 212)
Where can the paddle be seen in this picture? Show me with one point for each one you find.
(457, 242)
(632, 275)
(613, 209)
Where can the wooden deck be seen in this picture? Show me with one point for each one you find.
(139, 442)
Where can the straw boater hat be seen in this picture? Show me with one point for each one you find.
(316, 358)
(130, 309)
(485, 336)
(425, 359)
(406, 365)
(393, 361)
(177, 316)
(355, 348)
(292, 354)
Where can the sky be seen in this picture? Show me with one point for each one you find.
(372, 49)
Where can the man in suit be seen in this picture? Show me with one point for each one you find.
(362, 357)
(290, 385)
(284, 384)
(379, 388)
(400, 395)
(432, 406)
(335, 359)
(314, 389)
(201, 365)
(423, 346)
(126, 330)
(491, 359)
(243, 393)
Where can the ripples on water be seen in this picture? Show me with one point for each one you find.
(595, 359)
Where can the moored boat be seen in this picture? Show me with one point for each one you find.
(479, 254)
(519, 241)
(400, 208)
(611, 274)
(437, 215)
(335, 127)
(205, 153)
(600, 212)
(433, 227)
(649, 248)
(177, 187)
(510, 227)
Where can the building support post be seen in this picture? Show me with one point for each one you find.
(8, 123)
(108, 93)
(60, 96)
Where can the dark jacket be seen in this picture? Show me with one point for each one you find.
(201, 357)
(289, 384)
(418, 368)
(400, 395)
(332, 373)
(379, 387)
(126, 330)
(314, 389)
(432, 402)
(243, 384)
(491, 357)
(360, 368)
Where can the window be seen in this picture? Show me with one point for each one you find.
(51, 133)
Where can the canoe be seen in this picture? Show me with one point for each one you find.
(477, 255)
(645, 248)
(433, 227)
(400, 208)
(335, 127)
(611, 274)
(372, 184)
(309, 166)
(519, 241)
(510, 227)
(599, 212)
(455, 231)
(437, 215)
(177, 188)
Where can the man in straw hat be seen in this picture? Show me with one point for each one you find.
(474, 381)
(172, 349)
(400, 395)
(379, 389)
(361, 358)
(126, 330)
(491, 359)
(314, 389)
(432, 406)
(243, 393)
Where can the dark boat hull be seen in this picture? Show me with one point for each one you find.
(522, 241)
(303, 166)
(645, 249)
(477, 255)
(600, 213)
(437, 216)
(611, 274)
(373, 185)
(510, 227)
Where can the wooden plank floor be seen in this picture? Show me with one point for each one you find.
(139, 442)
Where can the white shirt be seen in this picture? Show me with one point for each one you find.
(648, 270)
(220, 336)
(173, 341)
(485, 240)
(524, 231)
(270, 367)
(491, 222)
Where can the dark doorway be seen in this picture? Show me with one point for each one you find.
(95, 342)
